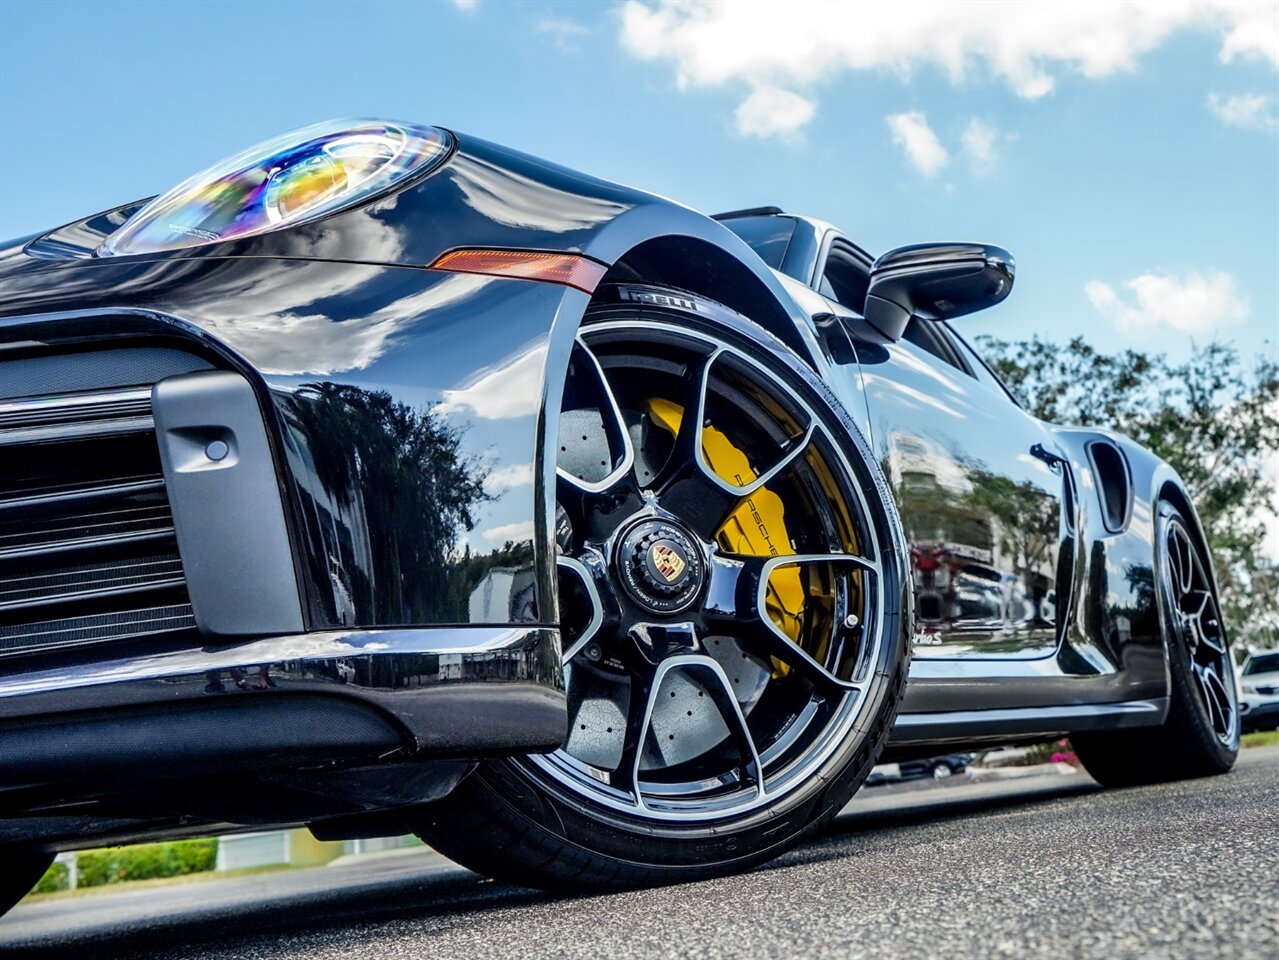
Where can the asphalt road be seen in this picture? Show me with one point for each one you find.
(1049, 867)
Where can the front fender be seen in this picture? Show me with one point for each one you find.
(413, 412)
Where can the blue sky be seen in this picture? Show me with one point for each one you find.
(1128, 156)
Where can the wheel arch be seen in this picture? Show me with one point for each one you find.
(695, 265)
(661, 244)
(1171, 489)
(666, 244)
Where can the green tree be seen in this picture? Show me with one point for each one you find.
(1210, 417)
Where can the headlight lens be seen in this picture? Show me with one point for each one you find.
(287, 180)
(1249, 688)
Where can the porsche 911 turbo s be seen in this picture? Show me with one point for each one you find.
(382, 479)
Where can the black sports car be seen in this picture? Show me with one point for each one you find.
(382, 479)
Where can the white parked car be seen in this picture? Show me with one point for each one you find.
(1259, 692)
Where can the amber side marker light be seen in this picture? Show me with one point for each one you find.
(564, 268)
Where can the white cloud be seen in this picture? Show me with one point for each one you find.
(564, 32)
(912, 133)
(772, 112)
(501, 479)
(1248, 110)
(1252, 33)
(978, 140)
(767, 45)
(466, 6)
(1193, 303)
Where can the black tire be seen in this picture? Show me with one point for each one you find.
(20, 870)
(1200, 736)
(514, 821)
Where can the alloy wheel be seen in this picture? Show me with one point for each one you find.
(1197, 624)
(721, 581)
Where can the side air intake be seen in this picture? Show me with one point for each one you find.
(1115, 484)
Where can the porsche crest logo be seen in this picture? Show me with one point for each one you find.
(668, 562)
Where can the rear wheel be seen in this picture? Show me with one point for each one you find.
(730, 594)
(1201, 734)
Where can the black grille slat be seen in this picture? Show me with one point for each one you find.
(87, 547)
(91, 581)
(48, 419)
(132, 524)
(75, 408)
(53, 432)
(62, 495)
(95, 628)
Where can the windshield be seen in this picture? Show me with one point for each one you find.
(767, 236)
(1267, 663)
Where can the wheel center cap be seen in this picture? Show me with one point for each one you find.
(660, 566)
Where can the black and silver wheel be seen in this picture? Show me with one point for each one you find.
(1201, 734)
(730, 596)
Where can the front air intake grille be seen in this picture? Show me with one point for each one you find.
(87, 547)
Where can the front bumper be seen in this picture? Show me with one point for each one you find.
(445, 691)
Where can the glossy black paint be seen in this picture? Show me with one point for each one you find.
(346, 333)
(411, 415)
(935, 282)
(1024, 597)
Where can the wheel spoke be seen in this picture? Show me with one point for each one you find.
(639, 718)
(721, 694)
(789, 455)
(589, 570)
(644, 695)
(1183, 569)
(1208, 623)
(589, 390)
(701, 505)
(1216, 717)
(1221, 701)
(737, 598)
(688, 437)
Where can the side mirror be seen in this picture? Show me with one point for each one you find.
(935, 281)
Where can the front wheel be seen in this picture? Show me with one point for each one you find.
(1200, 737)
(731, 604)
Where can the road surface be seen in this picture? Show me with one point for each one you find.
(1046, 867)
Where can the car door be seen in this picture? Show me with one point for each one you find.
(985, 498)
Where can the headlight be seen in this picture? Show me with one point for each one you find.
(1249, 688)
(287, 180)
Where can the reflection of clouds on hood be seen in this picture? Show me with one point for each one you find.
(917, 399)
(1035, 464)
(514, 532)
(512, 389)
(281, 341)
(368, 233)
(522, 202)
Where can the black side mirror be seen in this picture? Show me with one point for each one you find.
(935, 281)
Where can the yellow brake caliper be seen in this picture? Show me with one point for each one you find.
(756, 528)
